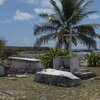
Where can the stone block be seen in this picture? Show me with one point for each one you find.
(70, 64)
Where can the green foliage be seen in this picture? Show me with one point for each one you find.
(2, 45)
(93, 59)
(18, 49)
(47, 58)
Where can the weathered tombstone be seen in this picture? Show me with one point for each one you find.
(2, 70)
(70, 64)
(57, 77)
(26, 65)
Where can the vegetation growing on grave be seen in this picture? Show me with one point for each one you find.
(93, 59)
(47, 58)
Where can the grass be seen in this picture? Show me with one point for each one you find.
(12, 88)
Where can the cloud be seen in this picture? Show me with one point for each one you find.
(94, 16)
(30, 1)
(1, 2)
(39, 10)
(21, 16)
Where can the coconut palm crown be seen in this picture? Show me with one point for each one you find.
(63, 18)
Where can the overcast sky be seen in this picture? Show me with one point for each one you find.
(18, 17)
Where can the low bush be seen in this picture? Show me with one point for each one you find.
(93, 59)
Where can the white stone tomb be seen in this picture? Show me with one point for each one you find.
(26, 65)
(70, 64)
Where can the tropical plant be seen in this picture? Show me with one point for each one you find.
(62, 21)
(2, 45)
(47, 58)
(93, 59)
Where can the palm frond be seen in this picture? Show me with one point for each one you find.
(42, 28)
(44, 39)
(74, 40)
(51, 18)
(88, 30)
(79, 3)
(68, 7)
(79, 12)
(86, 4)
(46, 15)
(57, 10)
(62, 43)
(82, 8)
(89, 42)
(76, 17)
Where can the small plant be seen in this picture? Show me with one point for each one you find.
(2, 46)
(93, 59)
(47, 58)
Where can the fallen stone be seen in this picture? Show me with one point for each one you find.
(8, 92)
(21, 76)
(85, 75)
(56, 77)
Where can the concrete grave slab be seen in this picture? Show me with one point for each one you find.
(56, 77)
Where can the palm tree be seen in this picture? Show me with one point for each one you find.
(63, 25)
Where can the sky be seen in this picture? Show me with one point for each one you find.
(18, 18)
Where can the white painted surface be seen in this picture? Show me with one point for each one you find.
(58, 73)
(27, 59)
(71, 63)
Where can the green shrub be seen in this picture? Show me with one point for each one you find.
(47, 58)
(93, 59)
(2, 46)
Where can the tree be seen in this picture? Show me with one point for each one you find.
(2, 45)
(63, 25)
